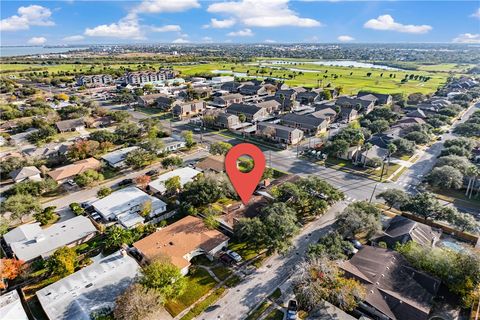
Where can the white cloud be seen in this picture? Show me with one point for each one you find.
(37, 40)
(467, 38)
(33, 15)
(270, 41)
(74, 38)
(157, 6)
(207, 39)
(180, 40)
(220, 24)
(129, 27)
(345, 38)
(126, 28)
(386, 22)
(241, 33)
(255, 13)
(167, 28)
(476, 14)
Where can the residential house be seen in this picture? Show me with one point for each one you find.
(29, 241)
(362, 106)
(186, 174)
(369, 97)
(279, 133)
(272, 106)
(223, 79)
(96, 80)
(363, 156)
(70, 125)
(231, 86)
(252, 90)
(226, 100)
(172, 144)
(401, 230)
(165, 103)
(116, 159)
(324, 112)
(308, 97)
(150, 100)
(212, 163)
(409, 121)
(181, 241)
(11, 306)
(26, 173)
(141, 77)
(21, 139)
(251, 112)
(126, 206)
(382, 98)
(394, 289)
(51, 150)
(226, 120)
(306, 123)
(418, 113)
(348, 114)
(350, 153)
(64, 173)
(91, 289)
(186, 109)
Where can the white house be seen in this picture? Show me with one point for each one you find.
(29, 241)
(11, 307)
(116, 159)
(93, 288)
(125, 206)
(186, 174)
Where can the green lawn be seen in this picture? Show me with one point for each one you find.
(221, 272)
(275, 315)
(243, 249)
(276, 294)
(201, 306)
(199, 283)
(259, 311)
(346, 165)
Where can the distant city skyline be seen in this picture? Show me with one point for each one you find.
(244, 21)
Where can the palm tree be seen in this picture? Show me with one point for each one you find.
(360, 138)
(391, 150)
(472, 173)
(282, 97)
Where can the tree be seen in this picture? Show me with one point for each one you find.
(394, 197)
(88, 178)
(423, 205)
(103, 136)
(404, 146)
(127, 132)
(468, 129)
(146, 208)
(242, 117)
(206, 189)
(173, 184)
(338, 147)
(117, 236)
(418, 137)
(154, 145)
(359, 218)
(104, 191)
(139, 158)
(62, 262)
(445, 177)
(19, 205)
(273, 230)
(457, 162)
(172, 161)
(76, 208)
(378, 126)
(220, 147)
(10, 269)
(83, 149)
(321, 279)
(164, 277)
(45, 216)
(143, 180)
(465, 143)
(332, 246)
(463, 221)
(138, 303)
(119, 116)
(188, 137)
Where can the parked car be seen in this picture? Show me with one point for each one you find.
(226, 259)
(71, 182)
(152, 172)
(235, 256)
(292, 310)
(356, 243)
(125, 182)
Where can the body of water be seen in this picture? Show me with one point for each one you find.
(25, 51)
(335, 63)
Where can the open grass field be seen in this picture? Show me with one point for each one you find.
(303, 73)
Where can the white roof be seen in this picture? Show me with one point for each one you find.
(124, 204)
(11, 307)
(186, 174)
(118, 155)
(30, 241)
(90, 289)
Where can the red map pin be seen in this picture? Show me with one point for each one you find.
(245, 183)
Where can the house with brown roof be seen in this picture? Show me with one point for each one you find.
(24, 173)
(394, 289)
(69, 171)
(227, 99)
(70, 125)
(181, 241)
(186, 109)
(212, 163)
(149, 99)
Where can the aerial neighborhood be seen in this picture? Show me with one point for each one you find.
(115, 203)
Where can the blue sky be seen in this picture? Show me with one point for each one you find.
(237, 21)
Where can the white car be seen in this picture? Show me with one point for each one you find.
(235, 256)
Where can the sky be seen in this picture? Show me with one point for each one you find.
(237, 21)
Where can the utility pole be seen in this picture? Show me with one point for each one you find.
(373, 192)
(269, 158)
